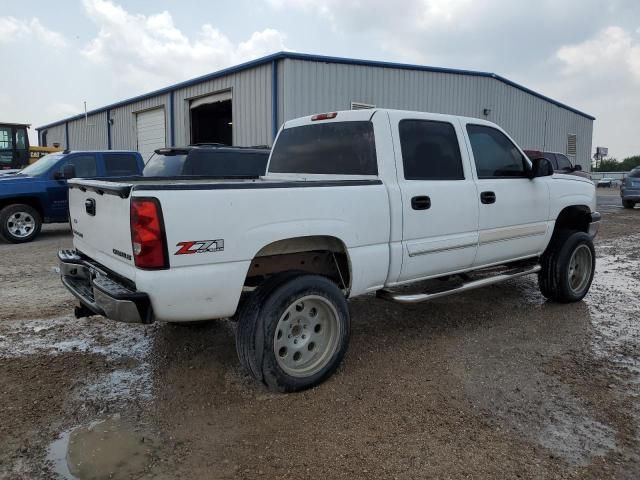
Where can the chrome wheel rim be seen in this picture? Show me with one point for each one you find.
(306, 336)
(580, 266)
(21, 224)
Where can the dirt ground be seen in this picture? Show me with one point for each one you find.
(495, 383)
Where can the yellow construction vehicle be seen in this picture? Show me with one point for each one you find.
(15, 152)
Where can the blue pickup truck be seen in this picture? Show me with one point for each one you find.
(38, 193)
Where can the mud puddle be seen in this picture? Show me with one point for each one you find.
(112, 448)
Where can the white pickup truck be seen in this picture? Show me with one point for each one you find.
(352, 203)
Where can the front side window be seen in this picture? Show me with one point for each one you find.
(336, 148)
(494, 154)
(430, 150)
(120, 164)
(6, 138)
(563, 162)
(85, 165)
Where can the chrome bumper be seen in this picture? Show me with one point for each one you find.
(100, 293)
(594, 225)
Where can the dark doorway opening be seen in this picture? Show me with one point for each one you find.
(212, 123)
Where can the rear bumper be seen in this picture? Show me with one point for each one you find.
(594, 225)
(100, 292)
(630, 194)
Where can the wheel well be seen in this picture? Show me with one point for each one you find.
(576, 217)
(31, 201)
(323, 255)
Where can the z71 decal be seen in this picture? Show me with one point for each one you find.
(200, 246)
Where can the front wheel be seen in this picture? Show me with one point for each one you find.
(19, 223)
(568, 266)
(294, 331)
(628, 204)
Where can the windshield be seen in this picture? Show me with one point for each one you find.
(42, 165)
(164, 166)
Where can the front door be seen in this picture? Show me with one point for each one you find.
(439, 198)
(514, 209)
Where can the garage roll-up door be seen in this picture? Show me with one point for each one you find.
(214, 98)
(150, 131)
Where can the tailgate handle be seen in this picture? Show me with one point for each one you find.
(90, 206)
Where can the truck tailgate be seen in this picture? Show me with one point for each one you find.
(99, 213)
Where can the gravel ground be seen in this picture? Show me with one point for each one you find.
(495, 383)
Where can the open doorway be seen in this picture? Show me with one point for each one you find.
(211, 119)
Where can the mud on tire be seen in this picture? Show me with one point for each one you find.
(293, 331)
(568, 266)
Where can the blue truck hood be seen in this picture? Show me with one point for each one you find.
(19, 184)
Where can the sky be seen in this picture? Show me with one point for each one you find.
(57, 55)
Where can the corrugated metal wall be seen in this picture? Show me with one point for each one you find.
(89, 134)
(251, 103)
(123, 129)
(55, 134)
(311, 87)
(306, 87)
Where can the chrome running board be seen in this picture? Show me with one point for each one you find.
(471, 285)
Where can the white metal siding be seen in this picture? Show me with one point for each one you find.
(150, 129)
(312, 87)
(89, 134)
(123, 130)
(55, 134)
(251, 105)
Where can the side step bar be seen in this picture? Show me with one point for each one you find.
(483, 282)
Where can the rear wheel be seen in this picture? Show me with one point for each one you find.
(294, 331)
(628, 203)
(19, 223)
(568, 266)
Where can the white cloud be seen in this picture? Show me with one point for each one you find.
(148, 51)
(13, 29)
(611, 51)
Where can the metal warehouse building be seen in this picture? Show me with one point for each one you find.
(246, 104)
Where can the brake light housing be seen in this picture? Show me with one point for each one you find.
(148, 238)
(324, 116)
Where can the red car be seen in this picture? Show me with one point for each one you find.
(560, 162)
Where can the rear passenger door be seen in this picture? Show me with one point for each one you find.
(120, 164)
(514, 209)
(439, 198)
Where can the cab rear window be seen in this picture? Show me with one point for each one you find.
(335, 148)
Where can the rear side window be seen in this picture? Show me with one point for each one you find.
(430, 151)
(494, 154)
(336, 148)
(120, 164)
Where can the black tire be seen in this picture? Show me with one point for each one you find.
(628, 203)
(262, 313)
(7, 215)
(555, 279)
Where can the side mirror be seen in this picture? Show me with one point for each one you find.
(577, 168)
(541, 167)
(68, 171)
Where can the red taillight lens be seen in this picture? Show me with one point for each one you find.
(324, 116)
(147, 234)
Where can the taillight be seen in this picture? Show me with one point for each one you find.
(324, 116)
(147, 234)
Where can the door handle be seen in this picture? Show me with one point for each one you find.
(488, 197)
(421, 203)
